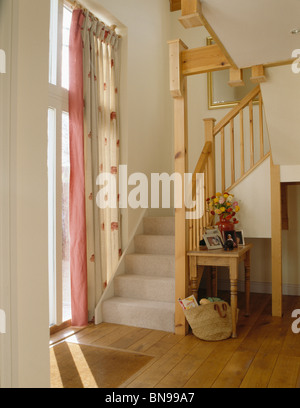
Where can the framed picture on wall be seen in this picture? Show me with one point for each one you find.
(219, 93)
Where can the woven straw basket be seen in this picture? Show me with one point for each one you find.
(211, 322)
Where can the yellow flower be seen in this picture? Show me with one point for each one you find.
(228, 204)
(223, 209)
(226, 195)
(218, 194)
(237, 208)
(218, 211)
(216, 200)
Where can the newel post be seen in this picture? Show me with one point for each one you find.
(178, 89)
(211, 165)
(276, 241)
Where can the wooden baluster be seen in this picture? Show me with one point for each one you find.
(198, 220)
(223, 159)
(232, 151)
(201, 226)
(261, 126)
(194, 234)
(206, 194)
(251, 134)
(211, 169)
(190, 244)
(242, 143)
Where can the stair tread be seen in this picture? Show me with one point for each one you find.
(133, 276)
(164, 256)
(142, 302)
(170, 217)
(156, 235)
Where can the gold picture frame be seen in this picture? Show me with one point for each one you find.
(213, 239)
(219, 93)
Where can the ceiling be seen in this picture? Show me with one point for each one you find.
(255, 32)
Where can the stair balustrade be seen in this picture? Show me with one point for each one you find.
(232, 150)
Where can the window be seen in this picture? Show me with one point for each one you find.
(59, 164)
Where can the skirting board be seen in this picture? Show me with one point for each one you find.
(261, 287)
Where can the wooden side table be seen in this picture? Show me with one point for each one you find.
(230, 259)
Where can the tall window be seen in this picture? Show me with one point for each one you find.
(59, 164)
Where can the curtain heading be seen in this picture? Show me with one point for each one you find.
(100, 30)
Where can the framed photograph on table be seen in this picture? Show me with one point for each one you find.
(230, 237)
(213, 239)
(240, 238)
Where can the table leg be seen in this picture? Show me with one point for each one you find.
(233, 295)
(214, 281)
(233, 301)
(208, 281)
(194, 277)
(247, 283)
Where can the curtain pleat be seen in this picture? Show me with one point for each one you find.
(101, 141)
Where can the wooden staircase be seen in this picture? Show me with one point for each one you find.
(144, 296)
(232, 150)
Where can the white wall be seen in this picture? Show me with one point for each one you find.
(146, 124)
(27, 164)
(255, 202)
(282, 108)
(5, 339)
(291, 241)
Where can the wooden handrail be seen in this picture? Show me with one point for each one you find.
(200, 167)
(248, 101)
(232, 114)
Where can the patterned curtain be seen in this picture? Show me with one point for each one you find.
(101, 150)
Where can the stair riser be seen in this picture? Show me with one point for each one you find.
(147, 244)
(160, 290)
(150, 265)
(141, 317)
(159, 226)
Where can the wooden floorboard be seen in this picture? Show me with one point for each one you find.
(266, 353)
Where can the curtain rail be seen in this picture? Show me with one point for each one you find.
(76, 5)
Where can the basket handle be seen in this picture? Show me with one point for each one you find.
(217, 309)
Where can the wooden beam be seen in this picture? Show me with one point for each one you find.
(276, 245)
(284, 206)
(175, 5)
(178, 88)
(202, 60)
(236, 77)
(176, 47)
(192, 16)
(191, 13)
(258, 74)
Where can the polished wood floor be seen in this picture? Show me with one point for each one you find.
(266, 353)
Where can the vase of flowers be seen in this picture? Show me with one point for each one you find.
(226, 207)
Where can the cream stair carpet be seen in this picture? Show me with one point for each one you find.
(145, 295)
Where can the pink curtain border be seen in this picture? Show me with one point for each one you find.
(78, 251)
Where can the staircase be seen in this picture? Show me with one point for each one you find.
(145, 295)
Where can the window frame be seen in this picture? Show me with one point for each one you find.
(58, 102)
